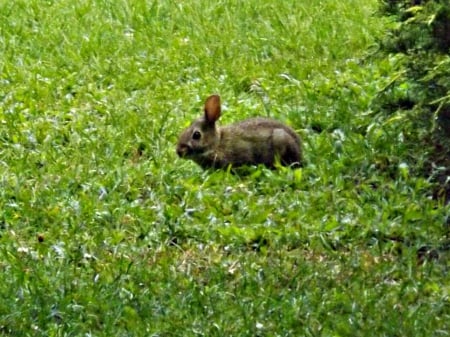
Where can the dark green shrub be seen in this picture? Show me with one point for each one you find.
(420, 40)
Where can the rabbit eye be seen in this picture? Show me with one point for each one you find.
(196, 135)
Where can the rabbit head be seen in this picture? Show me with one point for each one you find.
(200, 138)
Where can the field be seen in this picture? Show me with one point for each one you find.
(104, 231)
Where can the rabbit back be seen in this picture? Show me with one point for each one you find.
(258, 141)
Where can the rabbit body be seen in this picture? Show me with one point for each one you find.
(250, 142)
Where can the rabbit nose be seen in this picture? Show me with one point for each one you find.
(181, 150)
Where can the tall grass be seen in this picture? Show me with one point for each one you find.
(105, 232)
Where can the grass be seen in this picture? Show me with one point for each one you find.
(105, 232)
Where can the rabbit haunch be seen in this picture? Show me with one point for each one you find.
(250, 142)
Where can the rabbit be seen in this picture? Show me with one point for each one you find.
(251, 142)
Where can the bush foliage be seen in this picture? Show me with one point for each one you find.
(420, 40)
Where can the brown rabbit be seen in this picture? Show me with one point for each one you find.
(250, 142)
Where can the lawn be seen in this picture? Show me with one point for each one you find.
(104, 231)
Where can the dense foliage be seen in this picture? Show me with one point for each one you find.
(420, 89)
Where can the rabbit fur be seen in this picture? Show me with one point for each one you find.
(250, 142)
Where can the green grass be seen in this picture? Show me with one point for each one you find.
(105, 232)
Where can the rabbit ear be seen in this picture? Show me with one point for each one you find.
(212, 108)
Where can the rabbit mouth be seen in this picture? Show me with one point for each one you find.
(185, 151)
(182, 151)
